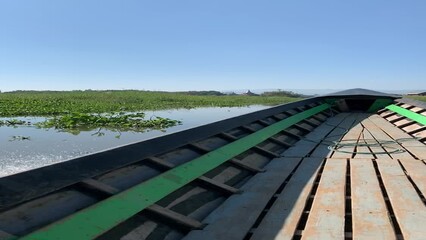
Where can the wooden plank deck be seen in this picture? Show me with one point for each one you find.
(327, 217)
(365, 192)
(408, 207)
(283, 217)
(369, 214)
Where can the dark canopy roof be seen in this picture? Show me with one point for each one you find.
(356, 92)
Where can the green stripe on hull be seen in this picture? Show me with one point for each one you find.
(408, 114)
(101, 217)
(379, 104)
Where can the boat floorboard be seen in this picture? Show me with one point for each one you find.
(355, 176)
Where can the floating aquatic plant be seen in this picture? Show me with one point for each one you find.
(75, 122)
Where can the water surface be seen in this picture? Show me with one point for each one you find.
(45, 147)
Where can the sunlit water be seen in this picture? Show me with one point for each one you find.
(45, 147)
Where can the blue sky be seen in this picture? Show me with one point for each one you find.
(221, 45)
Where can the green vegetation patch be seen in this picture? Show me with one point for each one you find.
(75, 111)
(418, 98)
(35, 103)
(122, 121)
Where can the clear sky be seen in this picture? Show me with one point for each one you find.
(206, 45)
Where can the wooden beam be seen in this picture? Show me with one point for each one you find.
(256, 148)
(250, 129)
(100, 186)
(417, 130)
(175, 217)
(228, 136)
(302, 128)
(234, 218)
(246, 166)
(388, 114)
(205, 180)
(156, 209)
(397, 119)
(240, 163)
(282, 143)
(291, 134)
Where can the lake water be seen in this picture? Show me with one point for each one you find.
(45, 147)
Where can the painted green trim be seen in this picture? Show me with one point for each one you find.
(99, 218)
(331, 101)
(379, 104)
(408, 114)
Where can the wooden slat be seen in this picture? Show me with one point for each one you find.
(417, 109)
(302, 128)
(363, 150)
(409, 209)
(375, 148)
(312, 121)
(387, 113)
(350, 138)
(262, 150)
(417, 171)
(231, 137)
(370, 219)
(246, 166)
(304, 147)
(338, 132)
(273, 139)
(281, 220)
(266, 152)
(413, 146)
(248, 128)
(100, 186)
(394, 118)
(234, 218)
(282, 143)
(381, 136)
(404, 123)
(228, 136)
(327, 216)
(156, 209)
(412, 127)
(175, 217)
(423, 128)
(293, 135)
(205, 180)
(256, 148)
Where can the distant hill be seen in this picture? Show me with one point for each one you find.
(204, 93)
(282, 94)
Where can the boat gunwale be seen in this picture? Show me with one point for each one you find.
(20, 187)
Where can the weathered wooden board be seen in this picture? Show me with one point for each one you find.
(234, 218)
(417, 171)
(323, 150)
(351, 137)
(382, 137)
(327, 217)
(408, 142)
(281, 220)
(370, 219)
(305, 146)
(375, 148)
(364, 141)
(407, 205)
